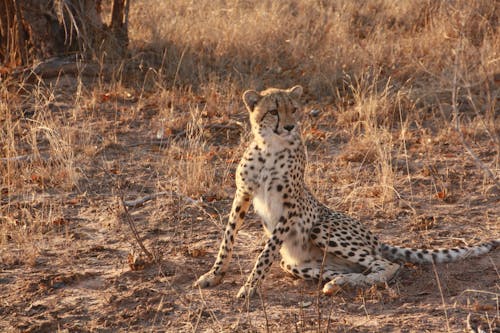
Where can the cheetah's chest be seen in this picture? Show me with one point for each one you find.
(268, 206)
(268, 198)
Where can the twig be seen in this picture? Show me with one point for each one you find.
(495, 268)
(188, 200)
(329, 318)
(166, 140)
(22, 158)
(158, 309)
(480, 292)
(25, 199)
(448, 329)
(215, 320)
(131, 224)
(140, 201)
(16, 158)
(263, 304)
(474, 327)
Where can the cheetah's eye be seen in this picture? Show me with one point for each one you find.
(274, 112)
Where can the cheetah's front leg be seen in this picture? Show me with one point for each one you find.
(265, 259)
(213, 277)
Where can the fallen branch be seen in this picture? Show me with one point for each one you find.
(138, 202)
(17, 158)
(57, 66)
(23, 158)
(130, 222)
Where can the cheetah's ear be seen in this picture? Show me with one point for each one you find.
(251, 98)
(296, 91)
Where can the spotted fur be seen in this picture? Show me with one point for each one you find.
(314, 241)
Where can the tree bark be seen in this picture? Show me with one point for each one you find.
(12, 34)
(40, 29)
(119, 21)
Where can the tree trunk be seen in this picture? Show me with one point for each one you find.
(12, 34)
(39, 29)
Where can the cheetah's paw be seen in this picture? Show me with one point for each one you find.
(246, 291)
(331, 289)
(334, 286)
(208, 279)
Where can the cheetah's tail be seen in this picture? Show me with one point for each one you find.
(421, 256)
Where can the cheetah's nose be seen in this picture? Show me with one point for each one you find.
(289, 127)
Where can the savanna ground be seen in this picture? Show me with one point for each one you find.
(402, 127)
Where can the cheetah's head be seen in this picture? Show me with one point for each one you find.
(274, 111)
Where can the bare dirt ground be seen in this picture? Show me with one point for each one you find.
(74, 273)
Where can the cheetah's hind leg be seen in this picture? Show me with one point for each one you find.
(379, 272)
(349, 245)
(333, 278)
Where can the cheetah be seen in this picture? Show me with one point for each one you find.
(314, 241)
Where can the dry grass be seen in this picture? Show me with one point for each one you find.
(383, 146)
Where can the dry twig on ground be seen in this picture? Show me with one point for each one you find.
(126, 216)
